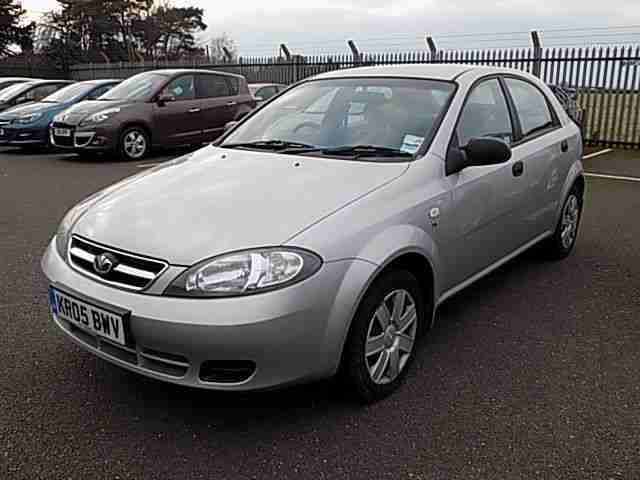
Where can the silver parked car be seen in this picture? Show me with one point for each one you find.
(320, 234)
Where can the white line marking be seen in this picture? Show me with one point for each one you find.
(598, 153)
(146, 165)
(611, 177)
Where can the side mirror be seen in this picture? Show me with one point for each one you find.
(22, 100)
(165, 98)
(258, 99)
(478, 152)
(229, 125)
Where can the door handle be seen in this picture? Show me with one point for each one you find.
(518, 169)
(194, 110)
(231, 104)
(564, 146)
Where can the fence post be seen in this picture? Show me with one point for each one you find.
(431, 45)
(285, 50)
(537, 53)
(357, 57)
(228, 55)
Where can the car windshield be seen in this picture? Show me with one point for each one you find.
(67, 94)
(12, 91)
(375, 115)
(138, 87)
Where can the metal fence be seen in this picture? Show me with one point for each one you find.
(606, 79)
(31, 66)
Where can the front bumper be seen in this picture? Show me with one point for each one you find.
(289, 335)
(23, 136)
(98, 138)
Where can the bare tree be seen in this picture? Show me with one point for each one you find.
(219, 44)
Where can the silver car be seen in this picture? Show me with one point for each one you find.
(320, 234)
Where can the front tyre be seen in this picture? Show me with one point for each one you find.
(134, 144)
(382, 340)
(561, 243)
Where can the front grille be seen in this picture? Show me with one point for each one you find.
(129, 271)
(63, 141)
(165, 363)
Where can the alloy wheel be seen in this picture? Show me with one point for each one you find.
(570, 217)
(391, 336)
(135, 144)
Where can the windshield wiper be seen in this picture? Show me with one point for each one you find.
(270, 145)
(356, 151)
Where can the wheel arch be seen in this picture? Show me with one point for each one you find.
(410, 259)
(575, 177)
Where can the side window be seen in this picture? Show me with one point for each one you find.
(234, 85)
(266, 92)
(211, 86)
(181, 88)
(531, 105)
(38, 93)
(99, 92)
(485, 114)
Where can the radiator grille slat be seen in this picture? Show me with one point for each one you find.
(129, 271)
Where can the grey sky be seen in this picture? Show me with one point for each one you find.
(323, 26)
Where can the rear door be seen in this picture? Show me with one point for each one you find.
(217, 104)
(179, 120)
(542, 145)
(487, 200)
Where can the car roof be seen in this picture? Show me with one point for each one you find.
(24, 79)
(260, 85)
(44, 82)
(432, 71)
(101, 81)
(178, 71)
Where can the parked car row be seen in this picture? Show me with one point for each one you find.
(152, 109)
(158, 108)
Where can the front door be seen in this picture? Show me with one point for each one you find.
(488, 201)
(178, 119)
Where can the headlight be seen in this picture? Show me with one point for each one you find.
(67, 223)
(26, 119)
(101, 116)
(245, 273)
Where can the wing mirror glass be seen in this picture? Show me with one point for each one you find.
(478, 152)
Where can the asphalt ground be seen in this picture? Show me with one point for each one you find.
(531, 373)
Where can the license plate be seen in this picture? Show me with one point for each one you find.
(97, 320)
(62, 132)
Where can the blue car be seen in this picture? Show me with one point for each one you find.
(28, 125)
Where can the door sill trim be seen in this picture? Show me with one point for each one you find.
(461, 286)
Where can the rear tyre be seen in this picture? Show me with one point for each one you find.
(133, 144)
(561, 243)
(382, 339)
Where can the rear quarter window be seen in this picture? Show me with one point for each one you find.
(234, 85)
(532, 106)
